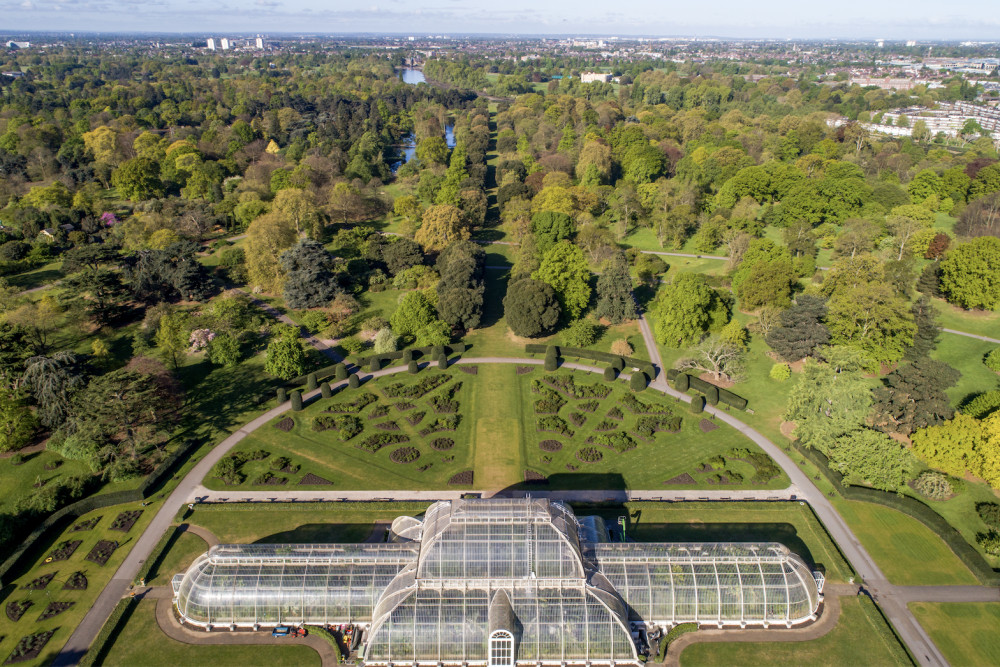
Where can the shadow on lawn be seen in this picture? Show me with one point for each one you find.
(322, 533)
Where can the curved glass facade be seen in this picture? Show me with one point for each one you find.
(473, 568)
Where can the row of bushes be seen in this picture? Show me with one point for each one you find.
(912, 507)
(683, 382)
(410, 354)
(619, 363)
(319, 506)
(81, 507)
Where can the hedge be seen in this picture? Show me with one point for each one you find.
(414, 352)
(317, 505)
(297, 401)
(311, 382)
(159, 551)
(328, 637)
(672, 635)
(98, 650)
(71, 512)
(601, 357)
(911, 507)
(325, 391)
(699, 385)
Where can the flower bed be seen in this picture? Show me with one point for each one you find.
(29, 648)
(403, 406)
(620, 442)
(102, 552)
(550, 445)
(64, 550)
(441, 424)
(15, 610)
(554, 424)
(464, 477)
(589, 454)
(124, 521)
(54, 609)
(417, 390)
(39, 583)
(86, 525)
(589, 406)
(615, 413)
(361, 402)
(577, 419)
(76, 582)
(286, 424)
(471, 370)
(532, 477)
(566, 385)
(380, 411)
(404, 455)
(415, 418)
(373, 443)
(387, 426)
(637, 407)
(442, 444)
(523, 370)
(314, 480)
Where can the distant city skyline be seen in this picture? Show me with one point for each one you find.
(848, 19)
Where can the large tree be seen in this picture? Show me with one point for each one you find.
(872, 458)
(413, 313)
(970, 274)
(873, 319)
(827, 403)
(285, 358)
(530, 307)
(138, 179)
(801, 330)
(550, 227)
(442, 224)
(614, 291)
(683, 310)
(310, 277)
(267, 237)
(460, 291)
(913, 396)
(565, 269)
(52, 381)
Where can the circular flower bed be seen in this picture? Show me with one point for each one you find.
(442, 444)
(404, 455)
(589, 455)
(550, 445)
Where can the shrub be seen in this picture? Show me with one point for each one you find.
(407, 357)
(712, 395)
(990, 542)
(412, 368)
(618, 363)
(992, 360)
(582, 333)
(340, 372)
(352, 345)
(933, 485)
(682, 382)
(990, 514)
(373, 443)
(697, 405)
(282, 395)
(982, 405)
(347, 426)
(325, 391)
(404, 455)
(620, 442)
(353, 382)
(375, 364)
(296, 400)
(551, 358)
(609, 374)
(622, 348)
(589, 454)
(780, 372)
(311, 382)
(647, 425)
(638, 381)
(555, 424)
(17, 459)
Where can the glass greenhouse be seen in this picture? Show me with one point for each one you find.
(498, 582)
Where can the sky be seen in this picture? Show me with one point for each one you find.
(846, 19)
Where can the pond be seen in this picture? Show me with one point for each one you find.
(408, 149)
(413, 76)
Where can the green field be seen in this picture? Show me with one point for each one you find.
(965, 632)
(906, 550)
(141, 642)
(497, 437)
(860, 638)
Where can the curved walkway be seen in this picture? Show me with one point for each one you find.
(172, 628)
(204, 533)
(828, 618)
(971, 335)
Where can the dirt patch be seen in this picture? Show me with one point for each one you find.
(705, 425)
(550, 445)
(681, 479)
(15, 610)
(64, 550)
(124, 521)
(310, 479)
(899, 437)
(532, 477)
(102, 552)
(404, 455)
(787, 429)
(464, 477)
(471, 370)
(704, 467)
(286, 424)
(524, 370)
(86, 525)
(721, 384)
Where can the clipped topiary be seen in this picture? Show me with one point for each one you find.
(282, 395)
(442, 360)
(638, 381)
(712, 395)
(610, 374)
(311, 382)
(437, 351)
(412, 367)
(296, 400)
(618, 363)
(340, 372)
(375, 365)
(457, 348)
(990, 514)
(682, 382)
(325, 391)
(353, 382)
(697, 405)
(551, 358)
(407, 357)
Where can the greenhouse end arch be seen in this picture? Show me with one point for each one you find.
(499, 582)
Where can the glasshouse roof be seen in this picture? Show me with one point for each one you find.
(498, 582)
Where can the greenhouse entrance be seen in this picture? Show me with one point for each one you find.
(499, 582)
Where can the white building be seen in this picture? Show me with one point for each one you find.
(591, 77)
(225, 44)
(211, 44)
(260, 43)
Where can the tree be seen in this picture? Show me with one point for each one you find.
(52, 381)
(550, 227)
(903, 228)
(300, 207)
(138, 179)
(565, 269)
(582, 333)
(460, 291)
(224, 350)
(970, 274)
(172, 337)
(871, 457)
(857, 235)
(442, 224)
(285, 358)
(827, 403)
(346, 203)
(18, 423)
(950, 446)
(310, 280)
(926, 335)
(433, 333)
(717, 357)
(413, 313)
(872, 319)
(432, 150)
(614, 291)
(267, 237)
(913, 396)
(530, 307)
(385, 341)
(398, 254)
(38, 320)
(801, 330)
(768, 284)
(682, 310)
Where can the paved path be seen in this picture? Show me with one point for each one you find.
(171, 627)
(204, 533)
(971, 335)
(907, 594)
(681, 254)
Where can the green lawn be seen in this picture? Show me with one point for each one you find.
(966, 356)
(42, 275)
(179, 554)
(979, 322)
(860, 638)
(965, 632)
(141, 642)
(497, 438)
(906, 550)
(792, 524)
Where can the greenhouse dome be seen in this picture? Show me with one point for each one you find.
(499, 582)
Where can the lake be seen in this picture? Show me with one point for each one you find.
(408, 148)
(413, 76)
